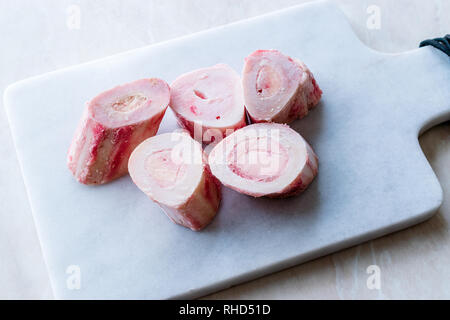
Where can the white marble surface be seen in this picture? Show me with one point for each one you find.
(37, 39)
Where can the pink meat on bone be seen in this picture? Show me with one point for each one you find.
(278, 88)
(172, 170)
(264, 159)
(209, 102)
(113, 124)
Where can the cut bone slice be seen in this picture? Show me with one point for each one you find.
(278, 88)
(264, 159)
(209, 102)
(113, 124)
(172, 170)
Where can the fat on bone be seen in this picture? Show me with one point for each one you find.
(264, 159)
(112, 125)
(278, 88)
(172, 170)
(209, 102)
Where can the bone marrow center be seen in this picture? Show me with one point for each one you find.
(162, 168)
(129, 103)
(268, 82)
(258, 159)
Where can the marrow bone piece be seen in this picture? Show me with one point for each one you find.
(172, 170)
(264, 159)
(278, 88)
(113, 124)
(209, 102)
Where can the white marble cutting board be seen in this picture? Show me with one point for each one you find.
(373, 177)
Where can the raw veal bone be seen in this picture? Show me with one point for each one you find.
(113, 124)
(264, 159)
(172, 170)
(209, 102)
(278, 88)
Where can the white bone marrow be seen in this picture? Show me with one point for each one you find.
(209, 102)
(278, 88)
(265, 159)
(172, 170)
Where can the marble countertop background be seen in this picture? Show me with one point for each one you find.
(45, 35)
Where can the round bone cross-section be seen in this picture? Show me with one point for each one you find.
(113, 124)
(209, 102)
(172, 170)
(278, 88)
(264, 159)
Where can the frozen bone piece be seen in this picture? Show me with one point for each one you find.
(264, 159)
(278, 88)
(209, 102)
(113, 124)
(172, 170)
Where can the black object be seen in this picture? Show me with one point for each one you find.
(442, 44)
